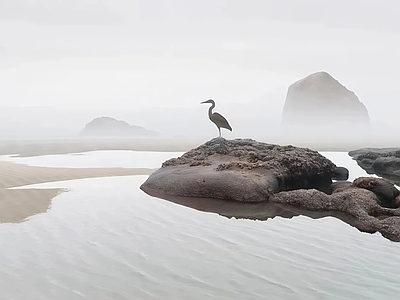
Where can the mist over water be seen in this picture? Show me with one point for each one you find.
(152, 65)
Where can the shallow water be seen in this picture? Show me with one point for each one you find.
(106, 239)
(96, 159)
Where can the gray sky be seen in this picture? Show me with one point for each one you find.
(126, 54)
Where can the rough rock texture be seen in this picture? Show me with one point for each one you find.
(383, 162)
(106, 126)
(382, 188)
(320, 99)
(287, 180)
(241, 170)
(356, 206)
(341, 173)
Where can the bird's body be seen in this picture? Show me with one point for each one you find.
(216, 118)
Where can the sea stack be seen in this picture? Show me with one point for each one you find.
(110, 127)
(320, 100)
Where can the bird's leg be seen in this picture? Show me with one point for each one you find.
(219, 129)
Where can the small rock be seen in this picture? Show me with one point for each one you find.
(341, 173)
(384, 162)
(382, 188)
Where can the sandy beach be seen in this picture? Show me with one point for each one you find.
(26, 148)
(64, 146)
(18, 204)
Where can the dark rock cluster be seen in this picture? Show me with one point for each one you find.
(295, 179)
(384, 162)
(291, 166)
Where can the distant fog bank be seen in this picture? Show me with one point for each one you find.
(192, 122)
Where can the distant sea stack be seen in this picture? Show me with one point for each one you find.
(319, 99)
(110, 127)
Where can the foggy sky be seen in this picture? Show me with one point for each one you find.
(125, 55)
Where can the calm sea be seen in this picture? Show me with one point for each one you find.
(106, 239)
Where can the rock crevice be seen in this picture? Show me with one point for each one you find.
(259, 169)
(297, 179)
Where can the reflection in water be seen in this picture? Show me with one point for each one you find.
(253, 211)
(106, 239)
(265, 210)
(261, 211)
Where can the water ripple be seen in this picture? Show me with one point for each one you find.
(108, 240)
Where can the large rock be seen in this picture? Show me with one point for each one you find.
(249, 179)
(241, 170)
(319, 99)
(383, 162)
(106, 126)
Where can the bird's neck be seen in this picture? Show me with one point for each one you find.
(210, 110)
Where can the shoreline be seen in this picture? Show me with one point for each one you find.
(19, 204)
(26, 148)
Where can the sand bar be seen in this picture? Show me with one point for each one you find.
(27, 148)
(18, 204)
(64, 146)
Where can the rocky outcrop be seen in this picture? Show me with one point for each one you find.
(106, 126)
(384, 162)
(241, 170)
(356, 206)
(319, 99)
(249, 179)
(385, 191)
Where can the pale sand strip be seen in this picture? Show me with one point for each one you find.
(65, 146)
(18, 204)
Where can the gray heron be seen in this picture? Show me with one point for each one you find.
(216, 118)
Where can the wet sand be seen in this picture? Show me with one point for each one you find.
(167, 144)
(18, 204)
(64, 146)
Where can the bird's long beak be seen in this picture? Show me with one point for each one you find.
(204, 102)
